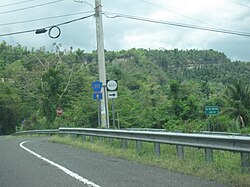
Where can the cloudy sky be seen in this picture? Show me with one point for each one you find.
(121, 32)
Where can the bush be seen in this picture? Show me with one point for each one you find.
(245, 130)
(221, 123)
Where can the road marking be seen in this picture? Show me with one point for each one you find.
(65, 170)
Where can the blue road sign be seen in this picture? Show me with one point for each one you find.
(97, 86)
(97, 96)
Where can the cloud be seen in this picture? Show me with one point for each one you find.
(122, 33)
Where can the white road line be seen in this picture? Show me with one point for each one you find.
(65, 170)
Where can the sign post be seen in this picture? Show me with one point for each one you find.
(97, 87)
(112, 86)
(211, 111)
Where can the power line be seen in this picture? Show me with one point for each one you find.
(175, 12)
(18, 32)
(241, 4)
(41, 19)
(117, 15)
(59, 24)
(30, 7)
(74, 20)
(17, 3)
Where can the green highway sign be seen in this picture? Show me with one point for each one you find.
(211, 110)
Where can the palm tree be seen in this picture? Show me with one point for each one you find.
(238, 102)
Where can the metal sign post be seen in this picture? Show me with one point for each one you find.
(99, 112)
(113, 112)
(211, 111)
(112, 86)
(97, 87)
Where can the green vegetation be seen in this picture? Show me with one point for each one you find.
(166, 89)
(224, 169)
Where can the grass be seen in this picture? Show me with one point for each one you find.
(225, 168)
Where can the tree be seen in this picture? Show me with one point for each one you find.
(45, 80)
(237, 97)
(10, 109)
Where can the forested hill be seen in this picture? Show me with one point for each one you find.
(157, 88)
(199, 65)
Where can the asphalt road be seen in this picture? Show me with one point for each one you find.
(40, 163)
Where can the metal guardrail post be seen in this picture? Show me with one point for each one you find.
(91, 139)
(245, 162)
(124, 143)
(74, 135)
(157, 147)
(110, 141)
(180, 152)
(83, 138)
(138, 146)
(208, 155)
(101, 139)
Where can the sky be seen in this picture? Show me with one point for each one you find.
(122, 33)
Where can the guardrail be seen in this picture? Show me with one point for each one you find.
(47, 131)
(235, 143)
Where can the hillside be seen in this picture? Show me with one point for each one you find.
(157, 88)
(198, 65)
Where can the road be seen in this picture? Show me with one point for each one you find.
(35, 162)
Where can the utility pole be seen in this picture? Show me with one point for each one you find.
(101, 64)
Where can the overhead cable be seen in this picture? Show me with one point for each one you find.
(172, 11)
(17, 3)
(30, 7)
(241, 4)
(212, 29)
(47, 27)
(41, 19)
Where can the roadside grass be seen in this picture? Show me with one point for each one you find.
(225, 168)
